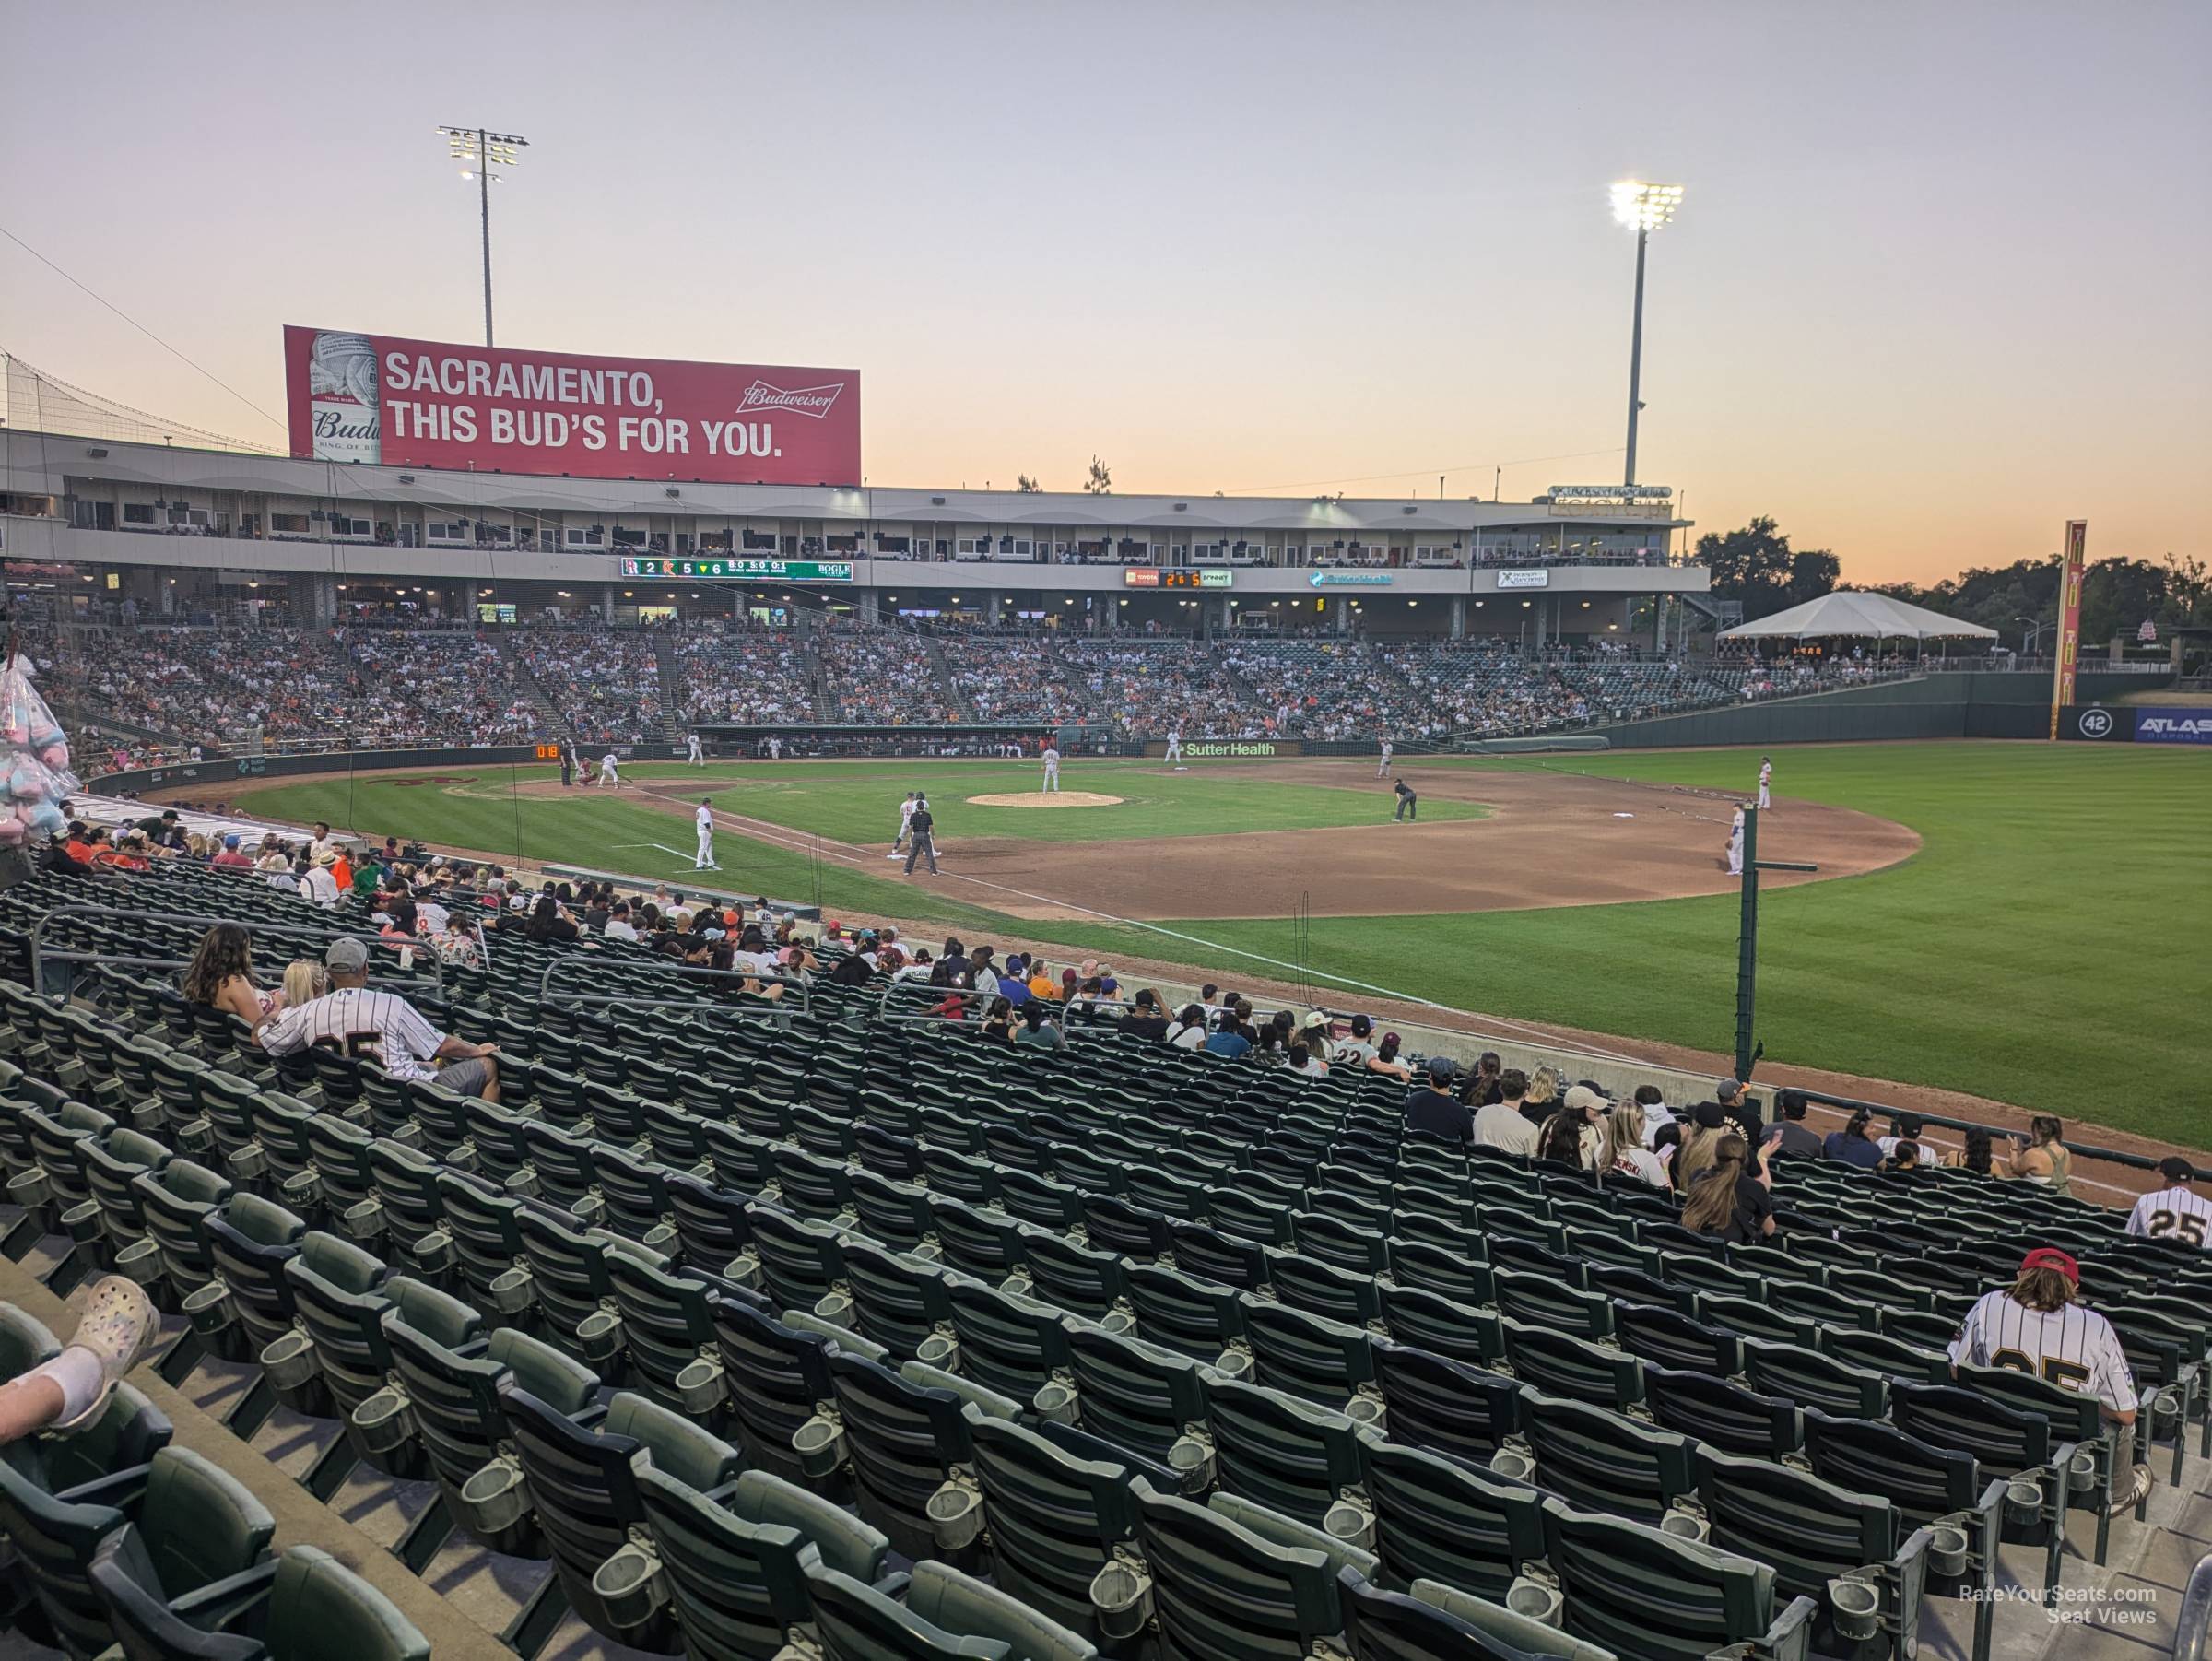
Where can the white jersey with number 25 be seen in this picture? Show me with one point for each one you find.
(2071, 1347)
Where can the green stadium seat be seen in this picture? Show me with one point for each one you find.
(1640, 1592)
(1573, 1368)
(1598, 1459)
(1813, 1380)
(1227, 1581)
(1054, 1519)
(1294, 1458)
(897, 1436)
(736, 1567)
(1723, 1415)
(1436, 1622)
(1435, 1518)
(1319, 1360)
(183, 1525)
(172, 1262)
(932, 1613)
(1449, 1406)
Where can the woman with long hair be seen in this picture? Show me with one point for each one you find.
(1625, 1153)
(221, 974)
(2044, 1158)
(1727, 1200)
(998, 1021)
(1560, 1140)
(1542, 1089)
(1851, 1144)
(304, 981)
(1188, 1032)
(548, 924)
(1977, 1155)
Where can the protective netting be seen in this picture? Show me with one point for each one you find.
(39, 403)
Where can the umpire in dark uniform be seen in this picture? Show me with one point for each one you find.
(921, 841)
(568, 763)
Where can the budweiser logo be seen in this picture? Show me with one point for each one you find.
(813, 401)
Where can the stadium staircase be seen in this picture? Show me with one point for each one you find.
(526, 680)
(672, 688)
(943, 670)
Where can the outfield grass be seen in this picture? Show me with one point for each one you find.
(2046, 947)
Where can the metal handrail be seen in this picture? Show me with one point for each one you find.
(2193, 1627)
(41, 953)
(805, 1001)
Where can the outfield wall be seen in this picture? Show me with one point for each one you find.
(1975, 704)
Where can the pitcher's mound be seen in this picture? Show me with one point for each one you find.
(1042, 798)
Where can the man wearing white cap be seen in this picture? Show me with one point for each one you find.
(380, 1026)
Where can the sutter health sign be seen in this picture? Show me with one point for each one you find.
(382, 400)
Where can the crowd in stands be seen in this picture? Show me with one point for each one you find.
(761, 677)
(884, 677)
(395, 685)
(605, 683)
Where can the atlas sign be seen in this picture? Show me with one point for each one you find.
(380, 400)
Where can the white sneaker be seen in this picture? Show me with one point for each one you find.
(119, 1324)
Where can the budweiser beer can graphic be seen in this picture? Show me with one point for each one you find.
(349, 425)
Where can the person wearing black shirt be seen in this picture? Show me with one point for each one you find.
(1433, 1110)
(920, 843)
(1729, 1200)
(851, 971)
(1145, 1019)
(1408, 803)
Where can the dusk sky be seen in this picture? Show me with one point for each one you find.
(1940, 281)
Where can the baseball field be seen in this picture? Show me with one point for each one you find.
(2015, 921)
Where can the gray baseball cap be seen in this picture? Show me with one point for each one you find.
(346, 957)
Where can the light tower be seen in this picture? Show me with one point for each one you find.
(1643, 208)
(481, 154)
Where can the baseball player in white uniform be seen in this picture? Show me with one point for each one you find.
(906, 820)
(1383, 767)
(1175, 748)
(2037, 1326)
(1765, 777)
(609, 772)
(705, 819)
(1052, 767)
(691, 750)
(1736, 845)
(775, 750)
(2176, 1211)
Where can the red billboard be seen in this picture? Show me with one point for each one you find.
(385, 401)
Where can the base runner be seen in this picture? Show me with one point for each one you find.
(906, 823)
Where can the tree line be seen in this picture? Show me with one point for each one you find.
(1757, 566)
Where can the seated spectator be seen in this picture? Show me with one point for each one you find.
(230, 858)
(1385, 1059)
(1627, 1155)
(354, 1018)
(1976, 1153)
(1790, 1139)
(1037, 1032)
(1851, 1144)
(547, 923)
(2177, 1211)
(1432, 1110)
(1540, 1099)
(315, 881)
(1700, 1143)
(2044, 1158)
(1232, 1037)
(998, 1021)
(1728, 1199)
(220, 975)
(1483, 1088)
(1906, 1127)
(304, 981)
(1513, 1095)
(1655, 1112)
(1143, 1019)
(69, 1394)
(1188, 1032)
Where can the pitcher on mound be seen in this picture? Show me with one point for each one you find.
(1051, 768)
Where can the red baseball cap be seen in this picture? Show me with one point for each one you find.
(2050, 1257)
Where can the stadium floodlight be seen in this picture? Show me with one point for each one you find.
(480, 154)
(1643, 208)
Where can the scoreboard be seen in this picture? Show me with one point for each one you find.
(1152, 576)
(743, 571)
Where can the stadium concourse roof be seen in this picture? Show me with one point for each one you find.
(1864, 616)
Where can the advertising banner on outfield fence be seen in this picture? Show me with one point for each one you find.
(1216, 749)
(2069, 619)
(2181, 724)
(382, 400)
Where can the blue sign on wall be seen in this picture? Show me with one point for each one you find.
(2175, 724)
